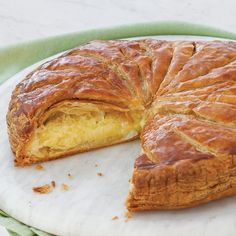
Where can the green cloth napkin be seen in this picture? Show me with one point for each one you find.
(16, 57)
(15, 228)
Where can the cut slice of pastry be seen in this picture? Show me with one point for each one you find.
(179, 97)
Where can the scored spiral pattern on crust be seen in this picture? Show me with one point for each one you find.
(188, 89)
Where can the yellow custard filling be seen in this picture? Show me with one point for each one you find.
(85, 130)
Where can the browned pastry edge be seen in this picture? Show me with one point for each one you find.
(26, 162)
(134, 206)
(180, 185)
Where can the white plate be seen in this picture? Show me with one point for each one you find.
(91, 201)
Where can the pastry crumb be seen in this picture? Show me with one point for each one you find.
(64, 187)
(115, 218)
(44, 189)
(53, 183)
(100, 174)
(70, 176)
(128, 215)
(39, 167)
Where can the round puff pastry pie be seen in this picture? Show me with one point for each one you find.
(179, 97)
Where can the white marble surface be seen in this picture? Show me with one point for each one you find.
(26, 19)
(90, 203)
(3, 231)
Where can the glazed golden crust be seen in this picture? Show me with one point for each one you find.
(189, 143)
(186, 93)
